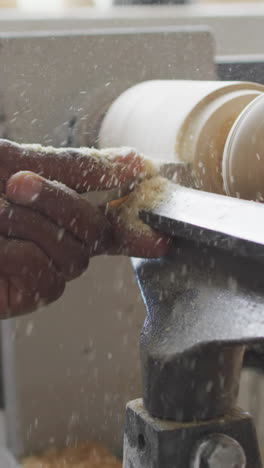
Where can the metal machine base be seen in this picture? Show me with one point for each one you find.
(156, 443)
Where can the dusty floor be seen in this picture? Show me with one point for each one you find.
(85, 456)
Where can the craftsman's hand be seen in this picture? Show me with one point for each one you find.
(48, 231)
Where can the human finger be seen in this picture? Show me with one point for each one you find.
(27, 278)
(69, 255)
(63, 206)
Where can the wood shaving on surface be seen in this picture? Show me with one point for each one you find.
(146, 196)
(150, 189)
(107, 153)
(88, 455)
(105, 156)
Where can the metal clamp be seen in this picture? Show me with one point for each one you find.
(204, 305)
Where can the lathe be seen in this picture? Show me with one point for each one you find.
(204, 303)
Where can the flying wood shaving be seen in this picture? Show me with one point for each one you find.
(146, 196)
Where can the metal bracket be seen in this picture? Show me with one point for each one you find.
(204, 305)
(156, 443)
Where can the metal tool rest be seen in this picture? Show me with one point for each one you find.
(204, 305)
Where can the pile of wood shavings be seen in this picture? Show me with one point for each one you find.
(146, 196)
(85, 456)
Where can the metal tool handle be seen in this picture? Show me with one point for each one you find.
(214, 220)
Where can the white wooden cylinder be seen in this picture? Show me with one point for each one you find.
(179, 120)
(243, 158)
